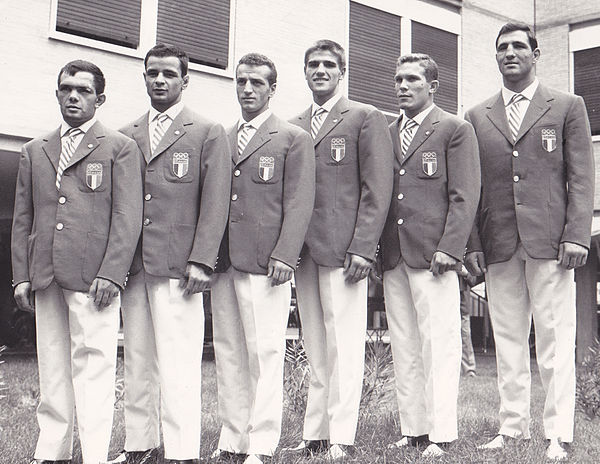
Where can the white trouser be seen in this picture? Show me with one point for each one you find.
(517, 289)
(423, 314)
(163, 342)
(77, 354)
(334, 322)
(249, 324)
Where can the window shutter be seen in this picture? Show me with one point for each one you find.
(587, 69)
(442, 46)
(373, 50)
(200, 27)
(113, 21)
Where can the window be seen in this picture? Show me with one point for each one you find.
(586, 68)
(200, 27)
(442, 46)
(373, 49)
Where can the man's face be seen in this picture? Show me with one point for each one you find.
(253, 89)
(77, 97)
(323, 75)
(412, 89)
(516, 60)
(164, 82)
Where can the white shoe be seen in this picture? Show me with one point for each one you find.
(555, 450)
(399, 444)
(300, 447)
(254, 459)
(433, 451)
(335, 453)
(220, 454)
(496, 444)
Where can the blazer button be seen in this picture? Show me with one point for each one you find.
(147, 222)
(148, 197)
(237, 172)
(400, 222)
(516, 178)
(234, 197)
(400, 196)
(62, 200)
(515, 153)
(60, 226)
(402, 171)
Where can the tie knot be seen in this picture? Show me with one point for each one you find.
(73, 132)
(410, 124)
(516, 98)
(162, 118)
(319, 112)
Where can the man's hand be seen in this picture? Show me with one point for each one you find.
(102, 291)
(356, 268)
(475, 263)
(572, 255)
(24, 297)
(195, 280)
(279, 272)
(442, 262)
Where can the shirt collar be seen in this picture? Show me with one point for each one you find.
(257, 121)
(419, 118)
(527, 92)
(64, 127)
(328, 105)
(172, 112)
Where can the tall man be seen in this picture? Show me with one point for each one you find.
(273, 166)
(186, 188)
(77, 218)
(353, 189)
(436, 190)
(533, 229)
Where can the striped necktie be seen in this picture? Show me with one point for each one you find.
(67, 150)
(159, 130)
(407, 134)
(514, 115)
(317, 121)
(243, 137)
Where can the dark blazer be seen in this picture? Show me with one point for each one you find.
(540, 189)
(90, 228)
(354, 162)
(436, 192)
(186, 194)
(272, 197)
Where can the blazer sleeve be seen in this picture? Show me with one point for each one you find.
(474, 241)
(376, 165)
(126, 214)
(464, 185)
(22, 220)
(215, 188)
(579, 158)
(298, 199)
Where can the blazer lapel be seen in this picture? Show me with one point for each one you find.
(426, 128)
(395, 134)
(52, 147)
(176, 130)
(262, 136)
(142, 137)
(89, 143)
(538, 106)
(497, 115)
(335, 116)
(304, 119)
(233, 142)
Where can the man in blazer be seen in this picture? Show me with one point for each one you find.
(353, 188)
(273, 166)
(186, 188)
(532, 230)
(76, 222)
(436, 190)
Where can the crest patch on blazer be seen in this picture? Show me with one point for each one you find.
(266, 167)
(93, 175)
(549, 139)
(430, 163)
(338, 149)
(181, 163)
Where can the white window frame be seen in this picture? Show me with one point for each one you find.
(148, 27)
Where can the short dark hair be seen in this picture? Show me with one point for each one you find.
(429, 66)
(162, 50)
(326, 45)
(517, 26)
(256, 59)
(73, 67)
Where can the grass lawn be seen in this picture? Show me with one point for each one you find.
(378, 426)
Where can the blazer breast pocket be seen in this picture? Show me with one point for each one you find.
(95, 175)
(430, 164)
(180, 165)
(267, 168)
(338, 150)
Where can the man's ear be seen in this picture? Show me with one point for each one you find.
(434, 86)
(186, 81)
(100, 99)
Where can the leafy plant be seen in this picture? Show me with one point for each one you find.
(588, 383)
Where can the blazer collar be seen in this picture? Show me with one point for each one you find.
(262, 136)
(91, 140)
(335, 116)
(424, 131)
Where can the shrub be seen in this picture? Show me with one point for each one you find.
(588, 383)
